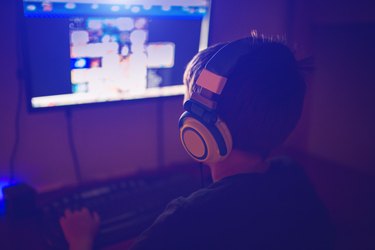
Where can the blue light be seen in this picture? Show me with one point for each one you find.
(3, 184)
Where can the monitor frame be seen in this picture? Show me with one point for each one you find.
(26, 69)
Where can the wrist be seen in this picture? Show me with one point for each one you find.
(81, 245)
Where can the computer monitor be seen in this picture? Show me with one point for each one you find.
(96, 51)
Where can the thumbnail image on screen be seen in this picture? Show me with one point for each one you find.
(113, 55)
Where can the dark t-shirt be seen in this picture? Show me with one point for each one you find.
(274, 210)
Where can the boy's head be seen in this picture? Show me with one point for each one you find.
(263, 97)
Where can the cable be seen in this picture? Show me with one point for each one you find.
(72, 146)
(202, 174)
(160, 132)
(20, 81)
(15, 147)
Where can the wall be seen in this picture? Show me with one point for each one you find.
(341, 96)
(113, 139)
(339, 119)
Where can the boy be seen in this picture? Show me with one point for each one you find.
(243, 100)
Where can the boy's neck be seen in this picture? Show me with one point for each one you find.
(237, 162)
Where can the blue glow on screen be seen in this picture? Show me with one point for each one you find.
(93, 8)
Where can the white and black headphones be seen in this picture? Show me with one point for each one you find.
(203, 134)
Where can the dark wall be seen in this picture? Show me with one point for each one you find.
(339, 117)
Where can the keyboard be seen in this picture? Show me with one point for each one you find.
(126, 206)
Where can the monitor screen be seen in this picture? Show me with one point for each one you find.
(94, 51)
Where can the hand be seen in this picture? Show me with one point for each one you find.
(80, 228)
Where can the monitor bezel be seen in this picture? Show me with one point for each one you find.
(27, 81)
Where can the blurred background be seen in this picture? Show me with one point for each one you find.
(334, 142)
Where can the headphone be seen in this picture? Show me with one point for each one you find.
(206, 137)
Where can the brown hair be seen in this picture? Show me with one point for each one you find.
(263, 98)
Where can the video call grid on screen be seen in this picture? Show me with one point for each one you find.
(89, 51)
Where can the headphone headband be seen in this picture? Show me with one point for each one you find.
(214, 76)
(225, 59)
(204, 136)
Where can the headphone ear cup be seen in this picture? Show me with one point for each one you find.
(204, 143)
